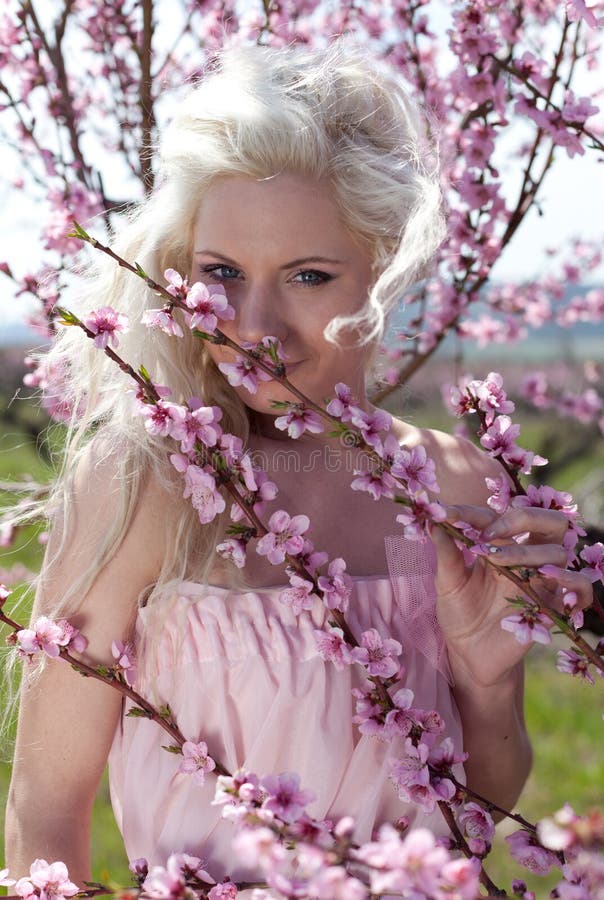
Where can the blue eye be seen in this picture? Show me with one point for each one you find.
(226, 273)
(311, 277)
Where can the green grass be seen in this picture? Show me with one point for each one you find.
(564, 718)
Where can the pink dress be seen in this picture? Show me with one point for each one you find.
(242, 673)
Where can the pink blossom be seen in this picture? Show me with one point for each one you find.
(476, 822)
(526, 850)
(234, 550)
(416, 468)
(197, 423)
(501, 493)
(570, 601)
(285, 799)
(240, 789)
(414, 866)
(224, 891)
(188, 866)
(264, 490)
(298, 420)
(577, 109)
(165, 883)
(5, 881)
(411, 776)
(377, 655)
(369, 713)
(573, 663)
(378, 483)
(200, 486)
(49, 637)
(500, 437)
(558, 832)
(196, 761)
(162, 417)
(125, 655)
(401, 719)
(105, 323)
(72, 637)
(299, 596)
(332, 647)
(334, 883)
(139, 868)
(177, 285)
(207, 305)
(529, 625)
(46, 881)
(284, 536)
(244, 372)
(593, 555)
(371, 424)
(459, 878)
(342, 405)
(259, 847)
(578, 9)
(163, 320)
(418, 516)
(336, 585)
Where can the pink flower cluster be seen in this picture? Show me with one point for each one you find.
(182, 878)
(48, 637)
(245, 372)
(303, 857)
(46, 881)
(204, 306)
(410, 465)
(196, 761)
(106, 323)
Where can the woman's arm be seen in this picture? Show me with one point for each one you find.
(486, 661)
(67, 722)
(495, 737)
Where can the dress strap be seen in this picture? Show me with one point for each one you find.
(412, 569)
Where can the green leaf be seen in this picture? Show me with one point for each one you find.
(280, 404)
(66, 317)
(140, 271)
(102, 670)
(142, 371)
(165, 711)
(79, 232)
(77, 669)
(202, 334)
(137, 713)
(172, 748)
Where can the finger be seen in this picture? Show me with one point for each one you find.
(452, 571)
(477, 516)
(549, 524)
(528, 555)
(571, 581)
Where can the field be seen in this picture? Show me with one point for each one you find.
(564, 716)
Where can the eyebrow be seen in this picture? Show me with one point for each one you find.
(289, 265)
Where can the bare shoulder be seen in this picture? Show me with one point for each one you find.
(461, 466)
(117, 522)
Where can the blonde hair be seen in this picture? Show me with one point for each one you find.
(257, 111)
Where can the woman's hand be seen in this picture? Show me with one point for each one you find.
(471, 600)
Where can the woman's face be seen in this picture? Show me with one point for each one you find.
(288, 266)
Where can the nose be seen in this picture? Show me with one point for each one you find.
(258, 312)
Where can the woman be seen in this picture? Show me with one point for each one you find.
(303, 184)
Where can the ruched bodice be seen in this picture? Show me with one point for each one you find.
(242, 673)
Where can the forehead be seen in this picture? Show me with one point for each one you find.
(284, 212)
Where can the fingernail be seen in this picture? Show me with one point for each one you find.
(493, 549)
